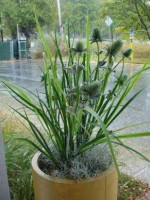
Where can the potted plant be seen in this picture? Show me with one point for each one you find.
(73, 113)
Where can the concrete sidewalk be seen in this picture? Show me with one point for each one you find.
(133, 164)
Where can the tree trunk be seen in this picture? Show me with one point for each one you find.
(2, 36)
(142, 20)
(26, 34)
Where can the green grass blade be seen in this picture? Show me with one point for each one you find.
(88, 46)
(88, 109)
(131, 126)
(133, 135)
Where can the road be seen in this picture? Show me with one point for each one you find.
(27, 74)
(24, 73)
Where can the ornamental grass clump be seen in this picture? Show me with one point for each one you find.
(77, 107)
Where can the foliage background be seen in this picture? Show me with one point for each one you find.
(125, 14)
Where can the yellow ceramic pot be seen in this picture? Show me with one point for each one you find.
(103, 187)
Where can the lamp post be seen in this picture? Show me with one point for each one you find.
(59, 16)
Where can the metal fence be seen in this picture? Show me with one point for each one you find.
(6, 50)
(13, 49)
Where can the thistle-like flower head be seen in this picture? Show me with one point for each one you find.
(127, 53)
(114, 48)
(79, 48)
(92, 90)
(77, 68)
(96, 36)
(123, 78)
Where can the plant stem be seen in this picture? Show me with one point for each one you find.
(98, 59)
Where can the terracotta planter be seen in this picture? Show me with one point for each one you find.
(103, 187)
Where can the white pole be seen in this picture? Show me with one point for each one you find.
(110, 37)
(4, 188)
(18, 38)
(59, 16)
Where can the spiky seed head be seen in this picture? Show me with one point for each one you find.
(96, 35)
(127, 53)
(122, 79)
(94, 89)
(94, 85)
(79, 48)
(114, 48)
(85, 87)
(77, 68)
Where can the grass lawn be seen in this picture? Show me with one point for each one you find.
(141, 52)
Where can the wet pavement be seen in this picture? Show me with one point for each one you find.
(27, 74)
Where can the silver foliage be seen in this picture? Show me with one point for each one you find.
(89, 164)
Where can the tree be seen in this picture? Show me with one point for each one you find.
(129, 14)
(78, 10)
(22, 12)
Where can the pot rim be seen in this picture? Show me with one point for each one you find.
(38, 171)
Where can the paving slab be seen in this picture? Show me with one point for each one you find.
(132, 164)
